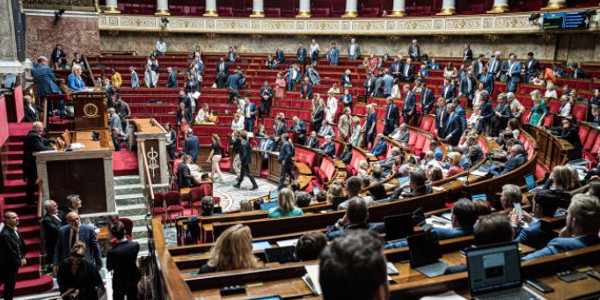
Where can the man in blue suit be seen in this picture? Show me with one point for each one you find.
(286, 155)
(328, 146)
(191, 145)
(346, 98)
(46, 83)
(392, 117)
(460, 113)
(427, 99)
(172, 80)
(454, 128)
(487, 112)
(410, 105)
(266, 145)
(396, 68)
(334, 55)
(222, 70)
(293, 77)
(306, 89)
(233, 82)
(488, 80)
(250, 111)
(513, 73)
(534, 236)
(74, 232)
(301, 55)
(516, 158)
(531, 67)
(581, 230)
(380, 147)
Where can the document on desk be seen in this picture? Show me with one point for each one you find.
(286, 243)
(478, 173)
(449, 295)
(312, 278)
(260, 246)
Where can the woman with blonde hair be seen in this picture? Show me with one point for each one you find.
(561, 179)
(286, 205)
(565, 107)
(551, 91)
(232, 251)
(454, 159)
(75, 81)
(77, 277)
(356, 137)
(280, 85)
(539, 110)
(216, 153)
(335, 190)
(203, 114)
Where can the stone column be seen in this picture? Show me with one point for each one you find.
(448, 8)
(258, 9)
(351, 9)
(162, 8)
(211, 9)
(500, 6)
(398, 8)
(556, 4)
(304, 9)
(111, 7)
(9, 62)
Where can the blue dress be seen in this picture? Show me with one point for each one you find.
(371, 121)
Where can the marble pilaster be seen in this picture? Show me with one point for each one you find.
(9, 62)
(304, 11)
(500, 6)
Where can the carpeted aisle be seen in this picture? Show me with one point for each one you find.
(125, 163)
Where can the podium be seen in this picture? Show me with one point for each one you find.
(90, 110)
(256, 163)
(274, 167)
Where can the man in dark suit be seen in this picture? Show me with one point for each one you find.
(328, 146)
(369, 84)
(301, 55)
(467, 53)
(191, 145)
(533, 235)
(68, 235)
(474, 153)
(513, 73)
(460, 113)
(172, 80)
(581, 230)
(313, 141)
(222, 72)
(414, 51)
(454, 128)
(531, 67)
(184, 176)
(245, 159)
(266, 99)
(378, 88)
(12, 253)
(467, 86)
(306, 89)
(427, 99)
(317, 118)
(51, 222)
(487, 112)
(478, 65)
(121, 260)
(448, 90)
(495, 64)
(233, 81)
(516, 158)
(392, 116)
(577, 72)
(30, 109)
(250, 111)
(408, 71)
(441, 118)
(46, 83)
(409, 109)
(286, 155)
(280, 56)
(487, 79)
(299, 129)
(59, 57)
(396, 68)
(34, 142)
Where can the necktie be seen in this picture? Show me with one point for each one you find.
(493, 66)
(74, 234)
(469, 85)
(406, 71)
(389, 111)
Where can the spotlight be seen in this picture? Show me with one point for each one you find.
(533, 18)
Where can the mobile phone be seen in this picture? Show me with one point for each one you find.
(519, 210)
(540, 286)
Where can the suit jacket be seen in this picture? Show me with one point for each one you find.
(280, 129)
(266, 145)
(31, 112)
(404, 137)
(369, 84)
(488, 82)
(534, 236)
(448, 92)
(427, 100)
(451, 233)
(441, 119)
(225, 68)
(328, 148)
(454, 128)
(268, 91)
(172, 81)
(87, 235)
(184, 176)
(334, 55)
(467, 54)
(396, 68)
(190, 146)
(477, 69)
(253, 110)
(317, 117)
(464, 87)
(280, 56)
(115, 123)
(578, 73)
(245, 156)
(410, 103)
(357, 52)
(301, 54)
(531, 66)
(475, 154)
(45, 80)
(347, 99)
(51, 226)
(289, 76)
(494, 65)
(233, 82)
(415, 52)
(514, 71)
(286, 153)
(514, 163)
(392, 116)
(312, 143)
(378, 87)
(12, 250)
(306, 90)
(121, 258)
(462, 116)
(560, 245)
(33, 143)
(76, 83)
(345, 81)
(408, 74)
(380, 148)
(326, 130)
(299, 127)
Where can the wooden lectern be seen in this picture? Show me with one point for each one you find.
(90, 110)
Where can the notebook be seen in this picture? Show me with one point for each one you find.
(494, 271)
(398, 227)
(281, 255)
(285, 243)
(425, 252)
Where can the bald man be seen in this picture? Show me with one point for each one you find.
(34, 142)
(74, 232)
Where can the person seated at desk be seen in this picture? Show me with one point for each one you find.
(346, 156)
(328, 146)
(326, 129)
(285, 205)
(417, 184)
(454, 159)
(581, 230)
(391, 165)
(434, 174)
(310, 245)
(516, 158)
(356, 217)
(380, 147)
(232, 251)
(313, 141)
(429, 161)
(266, 145)
(562, 178)
(353, 188)
(544, 206)
(299, 128)
(184, 176)
(569, 132)
(401, 134)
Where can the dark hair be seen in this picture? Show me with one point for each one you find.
(295, 186)
(594, 189)
(302, 199)
(118, 230)
(321, 196)
(353, 185)
(417, 177)
(310, 245)
(353, 266)
(482, 207)
(465, 213)
(357, 211)
(207, 205)
(493, 229)
(548, 200)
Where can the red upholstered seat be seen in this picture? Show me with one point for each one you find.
(412, 139)
(549, 120)
(128, 229)
(554, 106)
(419, 144)
(158, 205)
(427, 123)
(583, 132)
(580, 111)
(305, 156)
(196, 195)
(173, 200)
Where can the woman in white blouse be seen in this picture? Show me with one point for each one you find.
(477, 95)
(203, 113)
(334, 89)
(550, 91)
(237, 124)
(332, 106)
(565, 107)
(396, 89)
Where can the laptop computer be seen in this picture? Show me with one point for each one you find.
(398, 227)
(483, 197)
(337, 201)
(530, 182)
(281, 255)
(425, 252)
(495, 273)
(420, 220)
(378, 192)
(268, 205)
(315, 191)
(273, 194)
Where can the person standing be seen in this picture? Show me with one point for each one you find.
(34, 142)
(135, 80)
(51, 222)
(216, 152)
(301, 55)
(245, 158)
(392, 117)
(46, 83)
(414, 51)
(161, 47)
(266, 98)
(222, 73)
(121, 260)
(172, 79)
(191, 145)
(76, 277)
(315, 49)
(410, 106)
(171, 142)
(286, 155)
(12, 253)
(69, 235)
(334, 55)
(249, 115)
(353, 50)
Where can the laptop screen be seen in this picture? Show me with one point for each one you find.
(479, 197)
(398, 226)
(273, 194)
(281, 255)
(268, 205)
(315, 191)
(493, 268)
(424, 249)
(530, 182)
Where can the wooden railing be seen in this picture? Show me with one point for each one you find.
(148, 179)
(40, 208)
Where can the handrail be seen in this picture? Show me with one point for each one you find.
(89, 69)
(39, 205)
(147, 171)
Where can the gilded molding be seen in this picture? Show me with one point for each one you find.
(514, 23)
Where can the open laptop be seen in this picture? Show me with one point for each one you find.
(337, 201)
(268, 205)
(378, 192)
(495, 273)
(273, 194)
(420, 220)
(530, 182)
(425, 252)
(398, 227)
(482, 197)
(281, 255)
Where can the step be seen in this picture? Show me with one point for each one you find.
(139, 220)
(14, 155)
(122, 200)
(15, 146)
(143, 245)
(33, 244)
(21, 208)
(15, 185)
(14, 165)
(129, 189)
(123, 180)
(29, 231)
(14, 174)
(132, 210)
(139, 232)
(14, 197)
(29, 271)
(33, 286)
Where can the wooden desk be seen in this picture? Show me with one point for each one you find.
(256, 162)
(274, 167)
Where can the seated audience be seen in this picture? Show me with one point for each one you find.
(454, 159)
(510, 195)
(417, 186)
(302, 199)
(312, 141)
(346, 156)
(285, 205)
(232, 251)
(561, 180)
(328, 147)
(516, 158)
(544, 206)
(380, 147)
(310, 245)
(356, 217)
(207, 206)
(353, 187)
